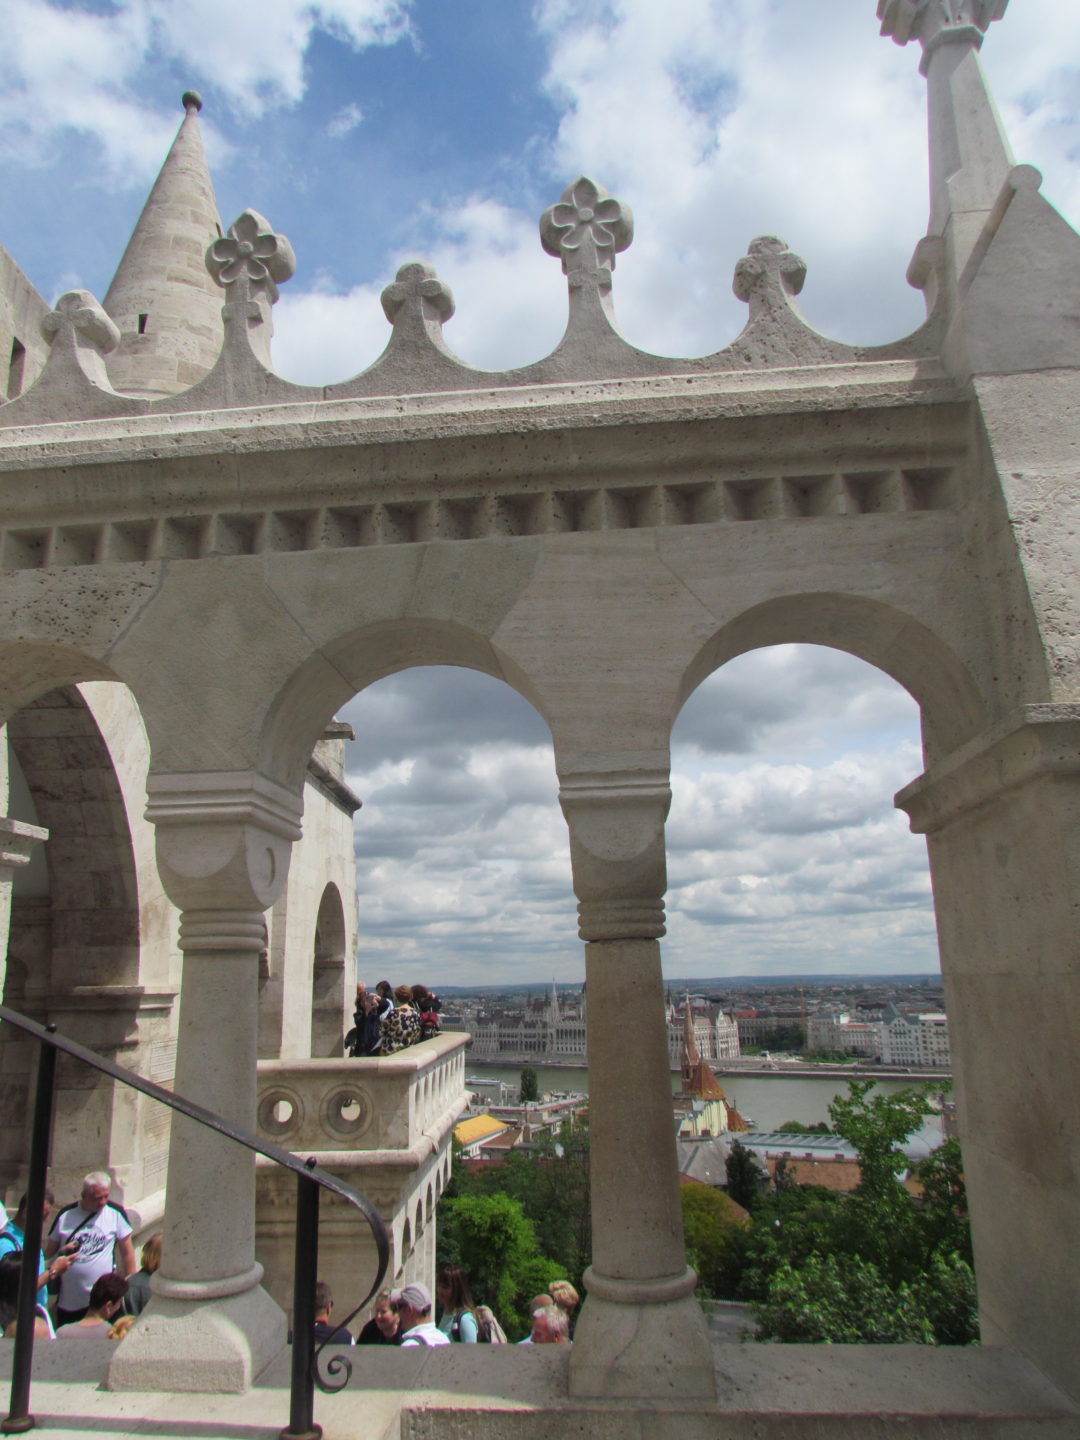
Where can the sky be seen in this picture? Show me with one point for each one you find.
(372, 132)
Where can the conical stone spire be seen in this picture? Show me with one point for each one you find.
(162, 296)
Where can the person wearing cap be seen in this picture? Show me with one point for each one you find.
(413, 1305)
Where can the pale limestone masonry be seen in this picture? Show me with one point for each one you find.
(602, 529)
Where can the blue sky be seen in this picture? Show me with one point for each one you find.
(376, 131)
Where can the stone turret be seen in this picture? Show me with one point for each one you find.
(162, 297)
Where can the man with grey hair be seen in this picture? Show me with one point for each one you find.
(96, 1235)
(415, 1325)
(550, 1327)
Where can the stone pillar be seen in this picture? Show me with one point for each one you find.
(641, 1332)
(17, 841)
(223, 846)
(1002, 820)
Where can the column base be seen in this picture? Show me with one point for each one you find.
(217, 1346)
(658, 1351)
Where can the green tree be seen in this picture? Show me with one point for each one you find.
(879, 1264)
(839, 1300)
(799, 1127)
(495, 1244)
(528, 1087)
(744, 1183)
(715, 1235)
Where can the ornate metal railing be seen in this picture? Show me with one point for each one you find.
(309, 1179)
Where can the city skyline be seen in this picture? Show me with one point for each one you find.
(376, 131)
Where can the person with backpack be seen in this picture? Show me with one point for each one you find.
(458, 1320)
(11, 1243)
(413, 1305)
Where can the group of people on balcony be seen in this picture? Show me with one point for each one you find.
(88, 1286)
(386, 1020)
(404, 1317)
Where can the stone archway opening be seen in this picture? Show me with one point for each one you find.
(91, 945)
(796, 891)
(463, 870)
(328, 976)
(783, 837)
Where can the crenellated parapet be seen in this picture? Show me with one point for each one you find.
(585, 230)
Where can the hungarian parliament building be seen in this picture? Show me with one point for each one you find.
(552, 1031)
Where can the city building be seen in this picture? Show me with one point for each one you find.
(917, 1040)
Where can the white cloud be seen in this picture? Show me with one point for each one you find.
(345, 122)
(795, 861)
(66, 69)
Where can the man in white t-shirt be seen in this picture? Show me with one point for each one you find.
(97, 1236)
(415, 1325)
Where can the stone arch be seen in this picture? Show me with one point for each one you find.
(328, 976)
(952, 707)
(327, 680)
(30, 669)
(78, 954)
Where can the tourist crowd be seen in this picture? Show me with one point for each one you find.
(87, 1283)
(88, 1286)
(404, 1317)
(387, 1020)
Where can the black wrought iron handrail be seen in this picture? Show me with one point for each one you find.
(309, 1180)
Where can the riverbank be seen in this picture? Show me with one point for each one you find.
(751, 1065)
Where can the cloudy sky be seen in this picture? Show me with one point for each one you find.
(376, 131)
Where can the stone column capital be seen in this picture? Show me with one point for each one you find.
(938, 22)
(224, 840)
(18, 839)
(616, 823)
(1039, 743)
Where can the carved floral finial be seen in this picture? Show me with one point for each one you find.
(417, 289)
(586, 229)
(78, 317)
(925, 20)
(767, 274)
(252, 254)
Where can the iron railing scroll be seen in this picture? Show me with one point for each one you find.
(306, 1374)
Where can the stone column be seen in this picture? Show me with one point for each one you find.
(223, 846)
(641, 1333)
(17, 841)
(1002, 820)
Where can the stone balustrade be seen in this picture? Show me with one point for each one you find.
(384, 1125)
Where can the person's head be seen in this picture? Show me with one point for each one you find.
(403, 995)
(94, 1195)
(47, 1205)
(384, 990)
(150, 1258)
(564, 1295)
(412, 1303)
(550, 1326)
(538, 1302)
(420, 996)
(324, 1300)
(386, 1317)
(107, 1296)
(453, 1289)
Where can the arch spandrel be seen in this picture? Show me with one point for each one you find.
(952, 706)
(358, 659)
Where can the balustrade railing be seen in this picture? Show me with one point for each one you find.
(309, 1180)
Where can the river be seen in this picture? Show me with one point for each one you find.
(769, 1099)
